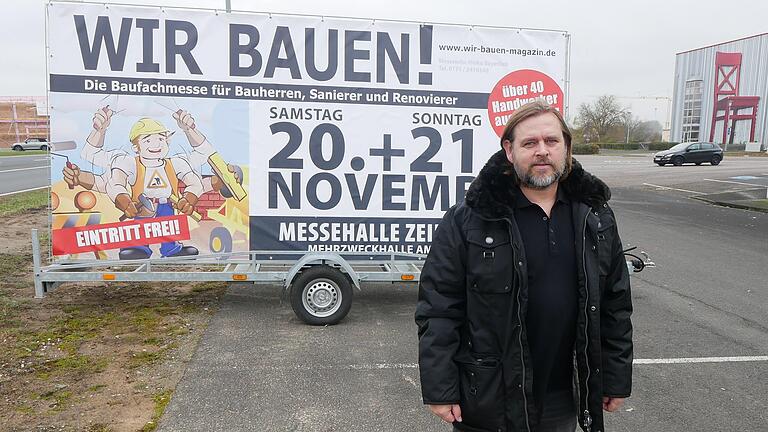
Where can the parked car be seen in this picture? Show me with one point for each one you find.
(698, 153)
(31, 144)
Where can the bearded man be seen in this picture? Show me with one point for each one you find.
(524, 300)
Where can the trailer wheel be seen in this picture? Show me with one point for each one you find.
(321, 295)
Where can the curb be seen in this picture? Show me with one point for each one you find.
(730, 204)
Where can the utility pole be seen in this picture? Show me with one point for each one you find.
(629, 117)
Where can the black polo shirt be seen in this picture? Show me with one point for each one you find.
(552, 297)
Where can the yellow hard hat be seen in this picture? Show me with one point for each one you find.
(147, 126)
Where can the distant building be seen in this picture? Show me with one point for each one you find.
(721, 92)
(21, 118)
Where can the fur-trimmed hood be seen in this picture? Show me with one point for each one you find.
(493, 192)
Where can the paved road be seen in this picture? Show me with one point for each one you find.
(635, 170)
(259, 368)
(21, 173)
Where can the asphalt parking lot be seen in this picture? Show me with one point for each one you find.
(701, 328)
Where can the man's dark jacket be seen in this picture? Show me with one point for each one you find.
(473, 302)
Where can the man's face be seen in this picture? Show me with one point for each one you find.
(538, 151)
(154, 146)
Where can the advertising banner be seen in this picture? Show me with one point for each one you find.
(184, 132)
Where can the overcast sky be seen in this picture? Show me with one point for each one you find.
(625, 48)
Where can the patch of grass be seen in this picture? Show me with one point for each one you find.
(59, 397)
(43, 376)
(21, 202)
(71, 331)
(161, 400)
(10, 309)
(81, 363)
(761, 203)
(9, 152)
(153, 341)
(207, 286)
(68, 333)
(97, 387)
(25, 409)
(178, 331)
(14, 264)
(144, 358)
(44, 237)
(146, 320)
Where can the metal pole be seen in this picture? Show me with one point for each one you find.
(228, 5)
(39, 292)
(629, 117)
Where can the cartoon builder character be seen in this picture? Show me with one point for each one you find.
(95, 153)
(151, 174)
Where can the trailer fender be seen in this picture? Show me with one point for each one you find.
(319, 258)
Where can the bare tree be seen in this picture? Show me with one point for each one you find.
(598, 118)
(647, 131)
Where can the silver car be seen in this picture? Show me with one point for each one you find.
(31, 144)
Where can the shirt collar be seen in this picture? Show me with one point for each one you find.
(522, 201)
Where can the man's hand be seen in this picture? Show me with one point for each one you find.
(612, 404)
(448, 413)
(123, 203)
(184, 120)
(71, 175)
(74, 177)
(237, 171)
(187, 203)
(102, 118)
(218, 184)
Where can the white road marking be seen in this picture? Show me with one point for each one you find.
(738, 183)
(671, 188)
(701, 360)
(23, 169)
(410, 381)
(680, 360)
(25, 190)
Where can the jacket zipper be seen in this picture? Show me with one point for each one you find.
(587, 423)
(520, 333)
(519, 318)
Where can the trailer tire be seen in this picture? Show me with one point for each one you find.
(321, 295)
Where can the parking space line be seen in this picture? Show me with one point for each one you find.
(701, 360)
(650, 361)
(738, 183)
(671, 188)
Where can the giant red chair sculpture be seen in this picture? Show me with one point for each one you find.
(727, 99)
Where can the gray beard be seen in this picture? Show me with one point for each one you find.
(538, 182)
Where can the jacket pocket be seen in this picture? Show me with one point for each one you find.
(605, 251)
(482, 394)
(489, 261)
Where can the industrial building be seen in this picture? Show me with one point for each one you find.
(721, 92)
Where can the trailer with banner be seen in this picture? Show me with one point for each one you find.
(316, 152)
